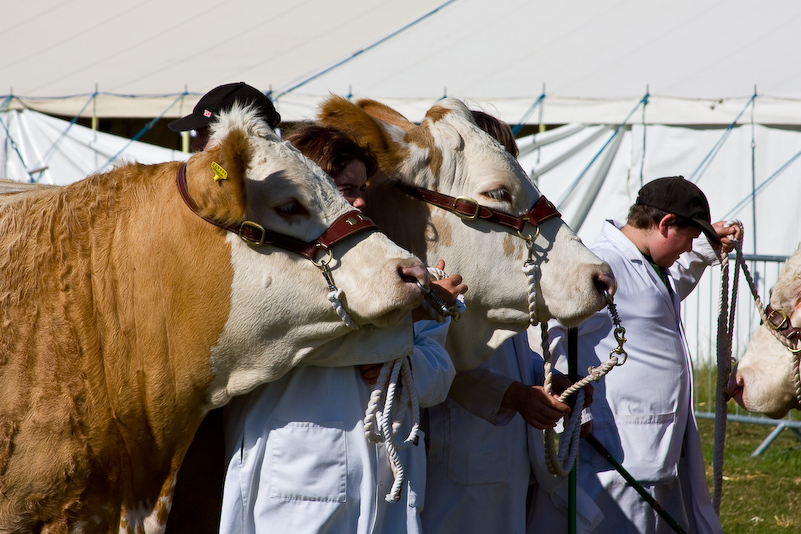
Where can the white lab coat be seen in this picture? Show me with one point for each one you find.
(642, 411)
(298, 459)
(483, 459)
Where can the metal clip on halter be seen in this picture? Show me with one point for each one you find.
(326, 270)
(435, 301)
(620, 332)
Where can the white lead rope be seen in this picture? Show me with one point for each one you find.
(383, 426)
(560, 462)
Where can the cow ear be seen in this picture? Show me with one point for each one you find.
(368, 131)
(439, 119)
(385, 114)
(216, 178)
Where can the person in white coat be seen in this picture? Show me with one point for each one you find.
(298, 458)
(486, 458)
(642, 410)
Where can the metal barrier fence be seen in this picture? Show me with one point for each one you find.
(700, 312)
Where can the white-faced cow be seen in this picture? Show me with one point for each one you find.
(487, 205)
(130, 307)
(764, 380)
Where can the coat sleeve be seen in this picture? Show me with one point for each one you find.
(432, 368)
(480, 392)
(690, 266)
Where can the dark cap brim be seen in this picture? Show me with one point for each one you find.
(709, 231)
(190, 122)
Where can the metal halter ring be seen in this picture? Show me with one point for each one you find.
(530, 238)
(324, 262)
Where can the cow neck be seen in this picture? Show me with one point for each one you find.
(347, 224)
(469, 209)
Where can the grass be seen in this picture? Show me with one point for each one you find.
(762, 494)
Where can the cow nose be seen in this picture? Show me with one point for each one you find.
(411, 270)
(605, 283)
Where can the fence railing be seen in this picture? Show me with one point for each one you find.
(700, 312)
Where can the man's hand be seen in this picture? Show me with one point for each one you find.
(537, 408)
(370, 372)
(559, 383)
(446, 289)
(726, 233)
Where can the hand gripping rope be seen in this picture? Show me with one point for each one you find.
(559, 462)
(383, 426)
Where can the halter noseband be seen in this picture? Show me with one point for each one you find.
(469, 209)
(347, 224)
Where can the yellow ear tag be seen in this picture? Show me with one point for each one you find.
(219, 172)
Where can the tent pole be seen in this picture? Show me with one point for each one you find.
(94, 110)
(572, 374)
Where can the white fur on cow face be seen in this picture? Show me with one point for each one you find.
(279, 299)
(763, 379)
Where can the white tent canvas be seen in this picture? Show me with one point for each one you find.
(38, 148)
(593, 174)
(700, 60)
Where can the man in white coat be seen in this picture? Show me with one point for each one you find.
(298, 459)
(642, 410)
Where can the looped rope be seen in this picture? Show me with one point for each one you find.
(383, 426)
(726, 315)
(560, 462)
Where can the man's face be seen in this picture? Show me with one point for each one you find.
(200, 139)
(351, 182)
(672, 242)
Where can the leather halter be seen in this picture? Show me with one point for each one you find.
(469, 209)
(780, 322)
(347, 224)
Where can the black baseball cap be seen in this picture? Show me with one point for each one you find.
(221, 99)
(680, 197)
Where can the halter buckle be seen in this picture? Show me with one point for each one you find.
(466, 200)
(781, 324)
(255, 226)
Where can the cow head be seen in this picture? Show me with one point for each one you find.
(764, 379)
(448, 153)
(273, 185)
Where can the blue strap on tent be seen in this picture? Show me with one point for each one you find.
(147, 127)
(644, 102)
(761, 187)
(52, 149)
(527, 114)
(361, 51)
(695, 176)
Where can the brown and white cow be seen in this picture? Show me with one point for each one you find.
(764, 379)
(449, 154)
(126, 317)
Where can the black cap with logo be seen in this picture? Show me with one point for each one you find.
(221, 99)
(680, 197)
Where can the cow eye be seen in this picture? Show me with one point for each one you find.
(500, 194)
(290, 209)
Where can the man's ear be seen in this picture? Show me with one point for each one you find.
(666, 222)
